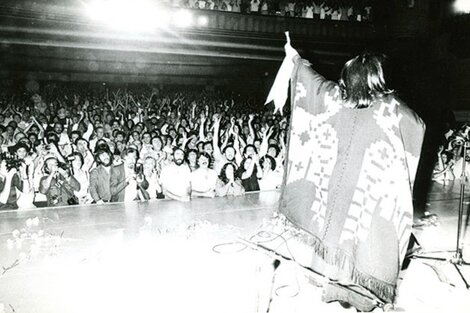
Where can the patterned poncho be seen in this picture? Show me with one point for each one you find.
(349, 181)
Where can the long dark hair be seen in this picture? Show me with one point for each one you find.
(362, 80)
(223, 171)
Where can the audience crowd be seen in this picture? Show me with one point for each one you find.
(83, 144)
(344, 10)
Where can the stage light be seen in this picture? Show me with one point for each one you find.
(133, 16)
(202, 21)
(183, 18)
(462, 6)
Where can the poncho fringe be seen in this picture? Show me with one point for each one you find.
(384, 291)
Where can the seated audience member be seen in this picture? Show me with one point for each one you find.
(249, 172)
(59, 184)
(203, 179)
(176, 178)
(11, 180)
(228, 184)
(270, 179)
(100, 188)
(126, 180)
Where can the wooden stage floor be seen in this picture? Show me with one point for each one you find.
(167, 256)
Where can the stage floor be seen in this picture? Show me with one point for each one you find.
(167, 256)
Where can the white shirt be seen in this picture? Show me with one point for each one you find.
(203, 180)
(82, 177)
(153, 185)
(130, 192)
(176, 179)
(271, 181)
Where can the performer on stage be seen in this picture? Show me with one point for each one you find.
(353, 152)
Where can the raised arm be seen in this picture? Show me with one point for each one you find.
(215, 137)
(202, 136)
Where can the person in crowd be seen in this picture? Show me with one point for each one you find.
(58, 184)
(25, 197)
(82, 147)
(228, 184)
(460, 161)
(203, 179)
(192, 159)
(443, 170)
(99, 135)
(76, 162)
(11, 180)
(250, 172)
(127, 181)
(228, 153)
(152, 176)
(100, 182)
(270, 178)
(176, 178)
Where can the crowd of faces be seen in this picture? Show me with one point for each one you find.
(56, 138)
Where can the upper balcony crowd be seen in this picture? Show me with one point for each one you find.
(344, 10)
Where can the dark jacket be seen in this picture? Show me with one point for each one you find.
(100, 184)
(118, 183)
(60, 190)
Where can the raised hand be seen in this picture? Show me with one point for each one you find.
(290, 52)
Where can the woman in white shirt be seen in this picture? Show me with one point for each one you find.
(271, 179)
(203, 179)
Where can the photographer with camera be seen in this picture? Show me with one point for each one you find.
(128, 182)
(58, 184)
(11, 180)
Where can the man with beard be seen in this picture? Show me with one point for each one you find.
(126, 181)
(100, 187)
(176, 178)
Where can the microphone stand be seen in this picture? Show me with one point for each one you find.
(457, 259)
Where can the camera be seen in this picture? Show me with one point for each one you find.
(139, 169)
(63, 166)
(11, 161)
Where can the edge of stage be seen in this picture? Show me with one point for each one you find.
(159, 256)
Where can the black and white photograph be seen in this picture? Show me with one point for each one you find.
(234, 156)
